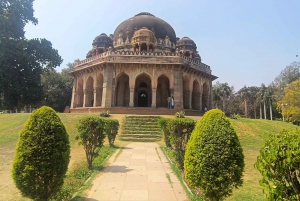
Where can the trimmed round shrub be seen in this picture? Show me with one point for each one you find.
(91, 134)
(214, 160)
(42, 155)
(279, 164)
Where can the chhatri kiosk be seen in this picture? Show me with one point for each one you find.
(140, 65)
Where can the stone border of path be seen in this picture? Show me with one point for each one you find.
(140, 172)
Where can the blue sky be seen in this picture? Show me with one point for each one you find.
(244, 42)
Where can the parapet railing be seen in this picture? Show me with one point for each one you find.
(115, 56)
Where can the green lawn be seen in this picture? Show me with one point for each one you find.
(252, 134)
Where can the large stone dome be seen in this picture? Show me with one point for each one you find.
(160, 27)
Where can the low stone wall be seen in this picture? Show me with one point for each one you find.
(136, 110)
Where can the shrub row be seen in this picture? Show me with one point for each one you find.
(92, 131)
(177, 132)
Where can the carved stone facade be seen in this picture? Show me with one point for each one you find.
(142, 67)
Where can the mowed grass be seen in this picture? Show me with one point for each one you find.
(10, 127)
(252, 134)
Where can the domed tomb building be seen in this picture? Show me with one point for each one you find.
(140, 65)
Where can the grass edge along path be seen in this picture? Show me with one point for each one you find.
(191, 195)
(99, 163)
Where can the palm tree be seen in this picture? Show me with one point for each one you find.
(216, 97)
(270, 98)
(262, 99)
(225, 92)
(245, 95)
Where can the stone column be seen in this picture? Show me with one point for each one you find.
(200, 102)
(131, 91)
(84, 97)
(95, 97)
(73, 100)
(210, 98)
(153, 98)
(107, 87)
(177, 88)
(140, 47)
(148, 47)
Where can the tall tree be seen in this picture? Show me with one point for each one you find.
(225, 92)
(245, 95)
(262, 99)
(57, 87)
(22, 61)
(290, 104)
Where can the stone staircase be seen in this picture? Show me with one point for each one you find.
(140, 128)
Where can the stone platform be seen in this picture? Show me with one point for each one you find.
(136, 110)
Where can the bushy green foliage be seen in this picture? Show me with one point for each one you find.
(91, 135)
(42, 155)
(162, 122)
(279, 164)
(111, 130)
(179, 130)
(214, 160)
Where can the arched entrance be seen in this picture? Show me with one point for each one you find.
(162, 91)
(204, 95)
(79, 101)
(143, 99)
(142, 92)
(196, 95)
(89, 95)
(122, 91)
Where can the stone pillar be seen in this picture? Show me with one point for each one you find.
(153, 98)
(178, 102)
(84, 97)
(148, 47)
(95, 98)
(140, 47)
(74, 93)
(131, 91)
(134, 48)
(107, 87)
(200, 102)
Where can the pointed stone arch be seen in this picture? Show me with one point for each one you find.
(162, 91)
(89, 95)
(122, 90)
(196, 95)
(143, 90)
(79, 99)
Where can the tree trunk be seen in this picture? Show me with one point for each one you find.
(271, 115)
(260, 111)
(224, 105)
(246, 109)
(255, 112)
(265, 111)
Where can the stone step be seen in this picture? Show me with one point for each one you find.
(142, 132)
(142, 135)
(133, 139)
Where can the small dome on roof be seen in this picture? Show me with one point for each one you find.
(102, 38)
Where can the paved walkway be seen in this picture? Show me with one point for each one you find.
(139, 173)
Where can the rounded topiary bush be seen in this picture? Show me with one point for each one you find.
(214, 160)
(42, 155)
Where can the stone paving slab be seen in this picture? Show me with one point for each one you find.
(139, 173)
